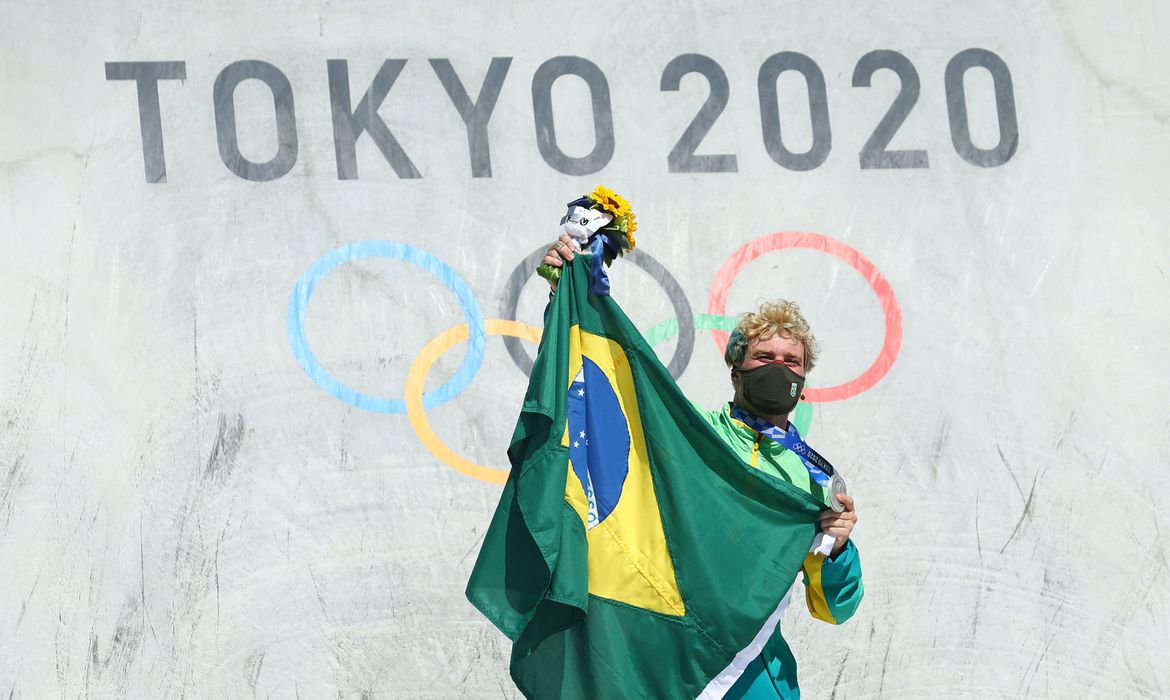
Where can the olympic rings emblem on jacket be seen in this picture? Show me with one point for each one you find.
(475, 329)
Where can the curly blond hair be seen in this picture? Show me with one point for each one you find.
(780, 317)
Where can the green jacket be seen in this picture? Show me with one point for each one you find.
(833, 587)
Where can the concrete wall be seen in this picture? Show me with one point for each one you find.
(186, 511)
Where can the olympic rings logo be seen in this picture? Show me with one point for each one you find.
(475, 329)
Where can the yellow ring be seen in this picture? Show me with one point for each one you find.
(417, 378)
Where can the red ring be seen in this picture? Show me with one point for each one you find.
(815, 241)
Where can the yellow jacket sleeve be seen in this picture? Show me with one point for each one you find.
(832, 586)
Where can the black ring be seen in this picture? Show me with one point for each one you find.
(678, 299)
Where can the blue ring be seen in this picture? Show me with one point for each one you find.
(399, 251)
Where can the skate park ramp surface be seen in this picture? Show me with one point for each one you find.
(232, 232)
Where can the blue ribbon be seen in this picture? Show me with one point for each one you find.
(601, 242)
(818, 467)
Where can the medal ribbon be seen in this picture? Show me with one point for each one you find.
(817, 466)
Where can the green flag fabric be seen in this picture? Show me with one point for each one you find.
(632, 553)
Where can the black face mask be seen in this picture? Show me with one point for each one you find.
(772, 389)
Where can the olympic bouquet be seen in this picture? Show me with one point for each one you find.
(603, 224)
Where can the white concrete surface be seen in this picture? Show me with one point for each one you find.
(185, 513)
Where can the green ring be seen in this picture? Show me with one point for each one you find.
(715, 322)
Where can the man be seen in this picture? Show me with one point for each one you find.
(768, 354)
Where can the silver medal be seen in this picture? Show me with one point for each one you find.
(836, 486)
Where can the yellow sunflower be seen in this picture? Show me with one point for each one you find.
(610, 201)
(631, 226)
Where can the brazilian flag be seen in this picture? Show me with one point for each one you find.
(632, 553)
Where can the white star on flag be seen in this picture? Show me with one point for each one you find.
(576, 444)
(580, 392)
(582, 434)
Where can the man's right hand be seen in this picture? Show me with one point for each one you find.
(559, 252)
